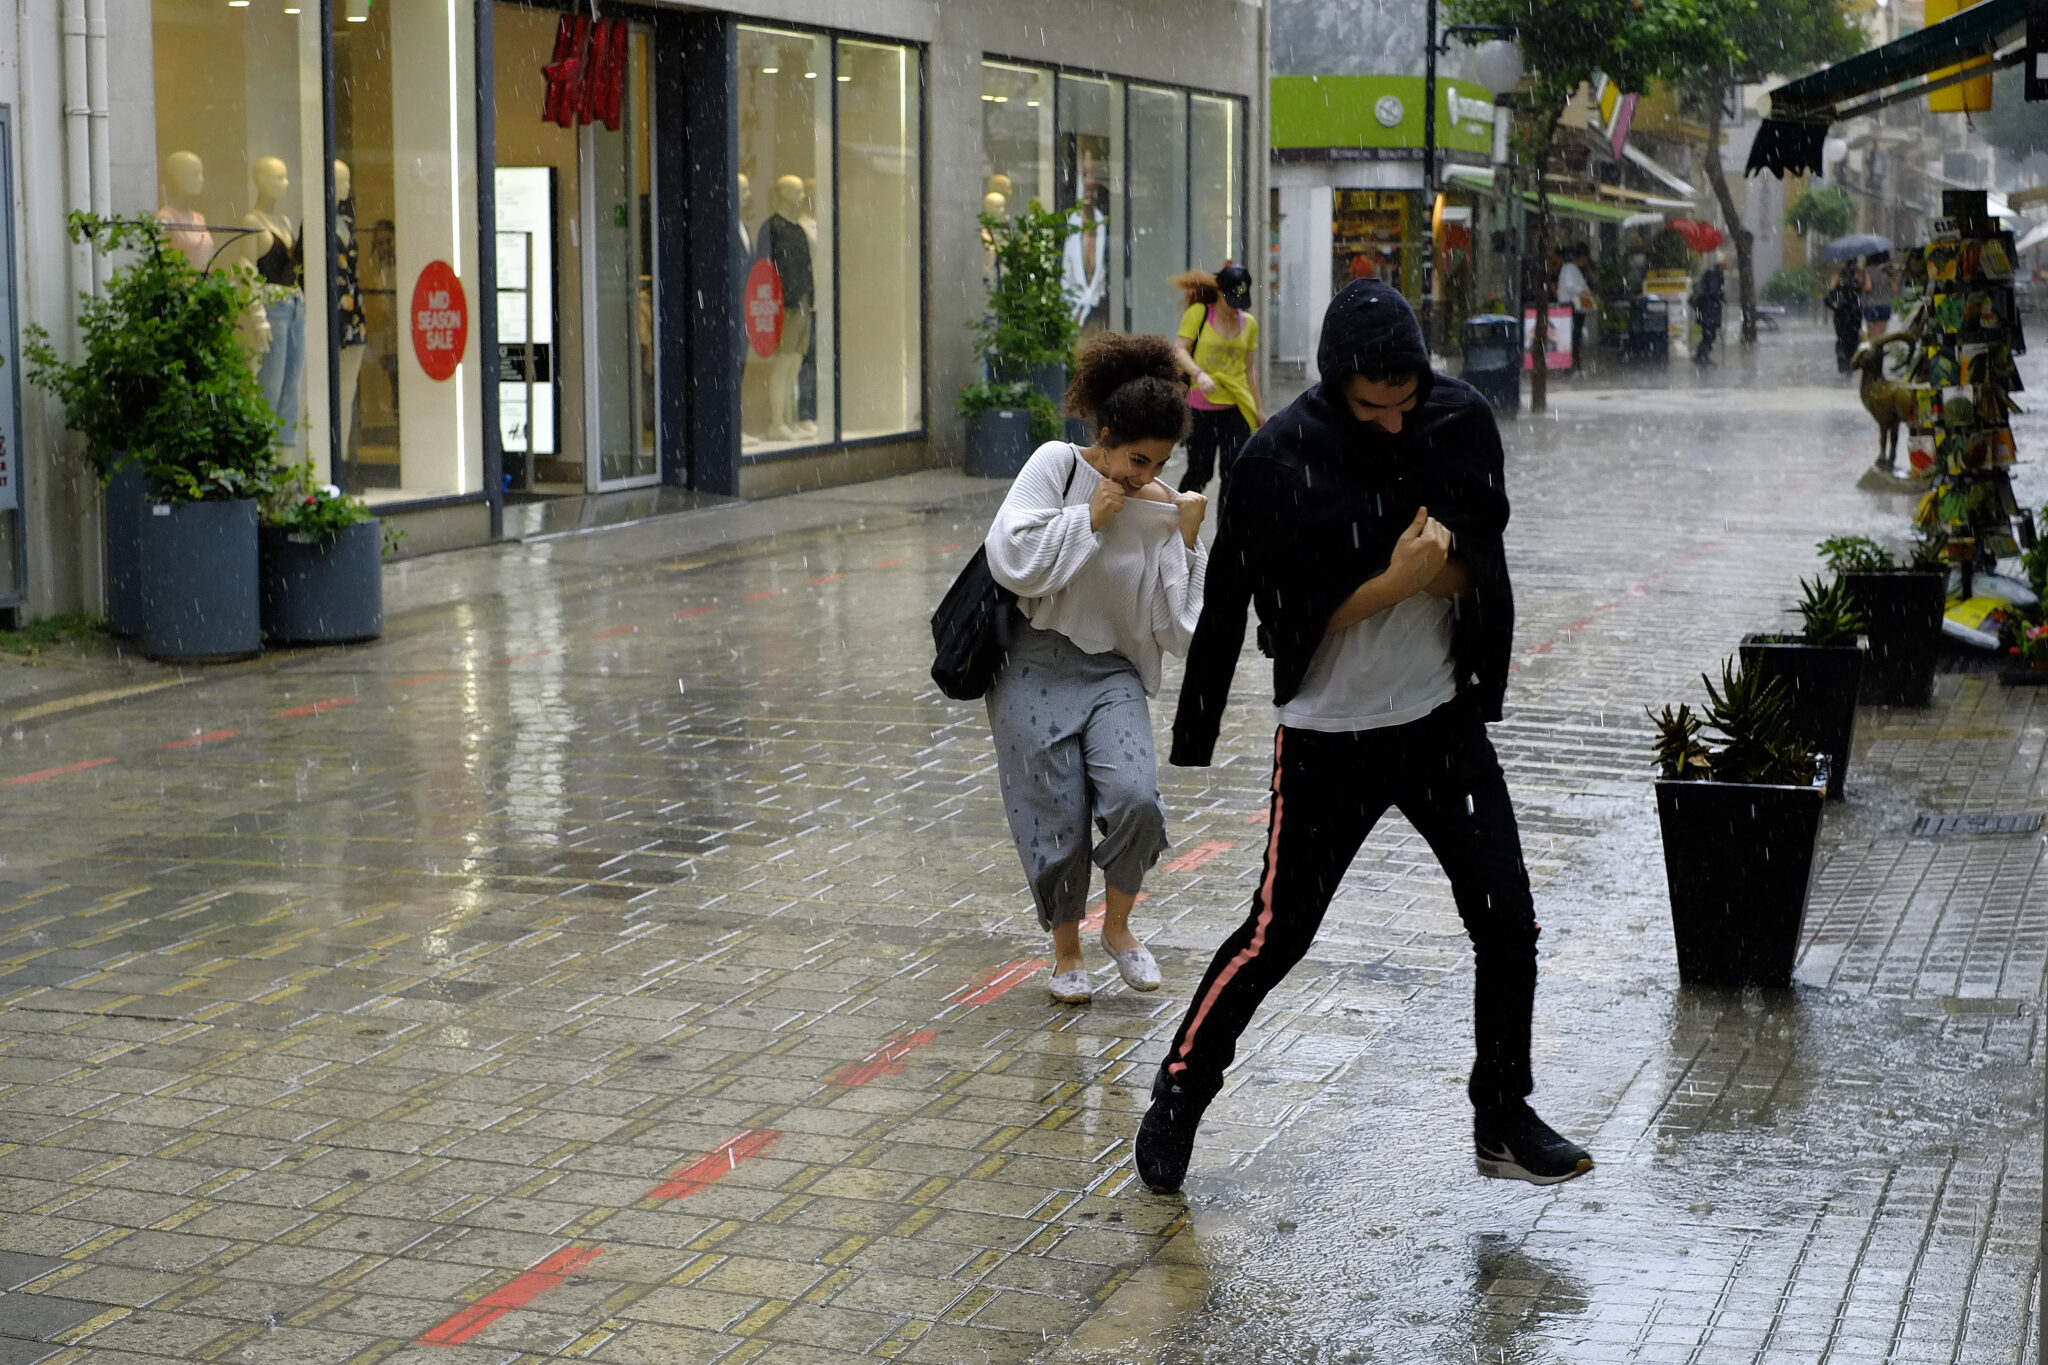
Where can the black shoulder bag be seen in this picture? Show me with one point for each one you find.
(971, 628)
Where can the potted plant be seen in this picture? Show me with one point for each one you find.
(1901, 610)
(163, 385)
(2029, 655)
(1739, 824)
(322, 579)
(1024, 342)
(1005, 423)
(1821, 667)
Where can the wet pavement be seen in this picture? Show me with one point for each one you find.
(625, 961)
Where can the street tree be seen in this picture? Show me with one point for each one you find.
(1634, 43)
(1785, 39)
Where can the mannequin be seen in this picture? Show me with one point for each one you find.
(993, 205)
(785, 245)
(1084, 263)
(184, 181)
(353, 329)
(1000, 184)
(273, 250)
(807, 377)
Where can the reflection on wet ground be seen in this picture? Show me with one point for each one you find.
(625, 961)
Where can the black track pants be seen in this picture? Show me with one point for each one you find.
(1215, 434)
(1328, 792)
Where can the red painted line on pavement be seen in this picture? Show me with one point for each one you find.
(943, 549)
(1261, 818)
(1100, 911)
(529, 654)
(690, 611)
(521, 1291)
(886, 1060)
(615, 630)
(1199, 855)
(825, 578)
(314, 708)
(890, 563)
(997, 982)
(421, 679)
(765, 592)
(46, 774)
(715, 1165)
(208, 738)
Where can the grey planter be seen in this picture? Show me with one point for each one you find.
(323, 592)
(199, 581)
(1050, 380)
(126, 494)
(998, 442)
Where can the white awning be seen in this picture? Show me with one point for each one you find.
(2034, 238)
(1643, 159)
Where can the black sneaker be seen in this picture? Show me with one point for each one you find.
(1513, 1144)
(1166, 1139)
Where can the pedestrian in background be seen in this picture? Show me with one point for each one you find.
(1108, 572)
(1366, 524)
(1575, 288)
(1845, 301)
(1215, 349)
(1708, 298)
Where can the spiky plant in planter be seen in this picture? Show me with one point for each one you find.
(1855, 554)
(1751, 714)
(1829, 615)
(1680, 755)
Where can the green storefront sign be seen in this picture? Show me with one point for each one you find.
(1378, 112)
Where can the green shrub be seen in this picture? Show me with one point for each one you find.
(1791, 287)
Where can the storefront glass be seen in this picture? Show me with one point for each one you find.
(881, 246)
(1373, 237)
(238, 154)
(1016, 136)
(405, 191)
(1090, 149)
(621, 215)
(787, 366)
(1159, 207)
(1215, 149)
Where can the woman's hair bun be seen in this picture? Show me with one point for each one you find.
(1130, 386)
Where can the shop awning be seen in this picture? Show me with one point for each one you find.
(1791, 137)
(1564, 205)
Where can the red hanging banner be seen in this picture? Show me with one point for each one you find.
(587, 74)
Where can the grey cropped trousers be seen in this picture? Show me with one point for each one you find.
(1074, 751)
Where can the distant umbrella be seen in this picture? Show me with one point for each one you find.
(1700, 237)
(1855, 244)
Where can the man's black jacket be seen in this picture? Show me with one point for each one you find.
(1316, 502)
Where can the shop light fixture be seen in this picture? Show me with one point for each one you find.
(238, 4)
(844, 79)
(291, 9)
(988, 99)
(1002, 99)
(1030, 104)
(810, 75)
(770, 70)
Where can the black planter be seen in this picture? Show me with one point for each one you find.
(1736, 858)
(199, 581)
(1902, 619)
(323, 592)
(1050, 380)
(1823, 680)
(126, 494)
(998, 442)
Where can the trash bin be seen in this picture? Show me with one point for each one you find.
(1493, 359)
(1649, 330)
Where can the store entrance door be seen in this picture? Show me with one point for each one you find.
(576, 316)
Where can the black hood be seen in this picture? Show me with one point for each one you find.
(1369, 326)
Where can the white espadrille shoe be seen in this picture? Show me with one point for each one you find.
(1073, 988)
(1139, 969)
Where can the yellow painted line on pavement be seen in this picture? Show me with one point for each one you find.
(105, 694)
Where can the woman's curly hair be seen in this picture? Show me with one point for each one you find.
(1130, 387)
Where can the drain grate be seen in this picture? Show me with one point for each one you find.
(1936, 826)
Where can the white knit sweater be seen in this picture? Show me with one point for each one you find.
(1132, 587)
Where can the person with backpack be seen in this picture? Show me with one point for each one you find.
(1709, 297)
(1215, 346)
(1845, 301)
(1108, 572)
(1365, 523)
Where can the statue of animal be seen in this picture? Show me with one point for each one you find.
(1888, 401)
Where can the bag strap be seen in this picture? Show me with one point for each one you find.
(1074, 469)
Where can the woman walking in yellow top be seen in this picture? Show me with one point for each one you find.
(1214, 350)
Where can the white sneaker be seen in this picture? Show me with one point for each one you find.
(1139, 969)
(1073, 988)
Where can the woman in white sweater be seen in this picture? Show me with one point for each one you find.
(1108, 572)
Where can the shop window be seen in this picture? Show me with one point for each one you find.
(1215, 156)
(1090, 162)
(1159, 207)
(1016, 136)
(787, 365)
(240, 184)
(880, 245)
(1372, 237)
(405, 256)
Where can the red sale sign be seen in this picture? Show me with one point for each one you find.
(440, 320)
(764, 308)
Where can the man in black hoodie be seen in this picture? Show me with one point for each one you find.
(1364, 524)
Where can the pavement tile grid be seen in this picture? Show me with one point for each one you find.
(474, 997)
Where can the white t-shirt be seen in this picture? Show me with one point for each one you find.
(1134, 586)
(1387, 670)
(1571, 282)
